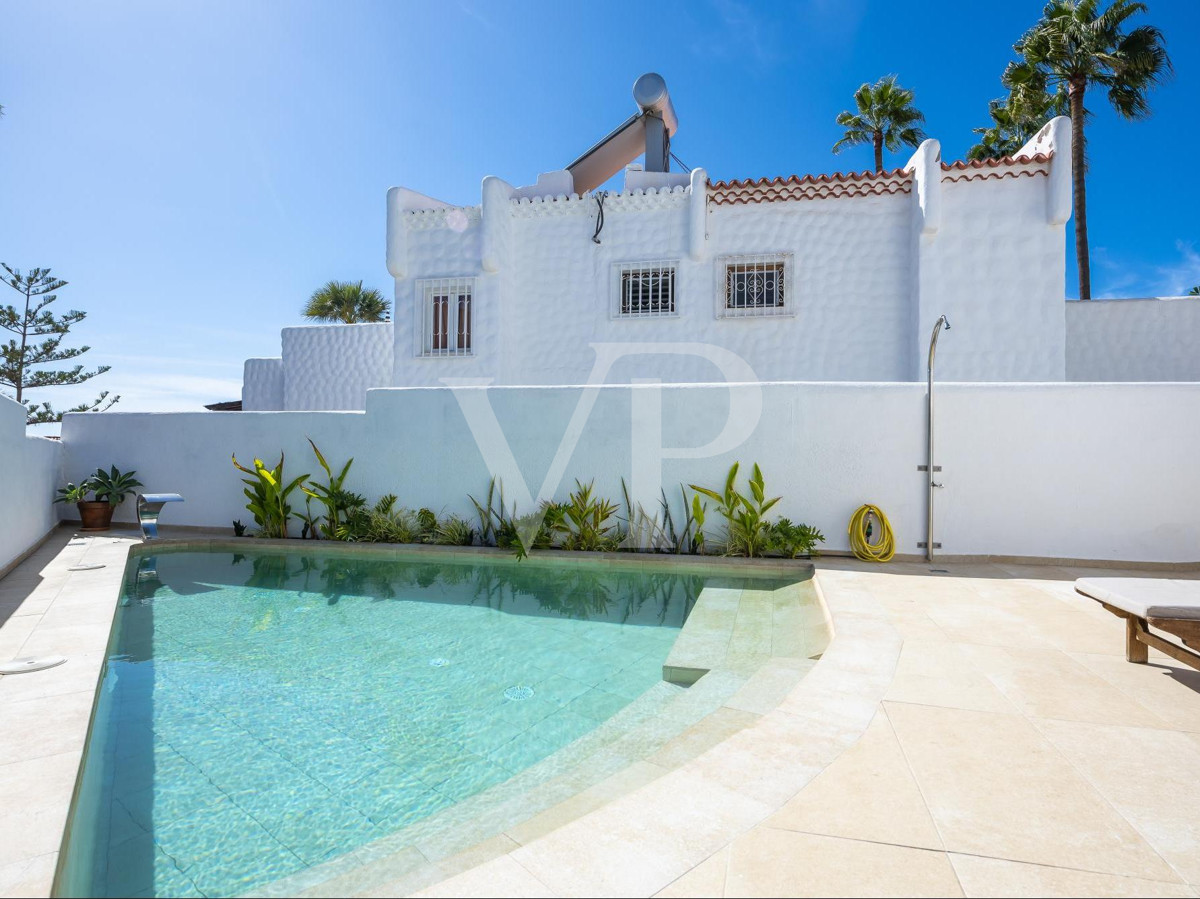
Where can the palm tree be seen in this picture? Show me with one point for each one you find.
(1077, 45)
(1194, 292)
(885, 118)
(1015, 119)
(347, 302)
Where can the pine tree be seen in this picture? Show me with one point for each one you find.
(22, 357)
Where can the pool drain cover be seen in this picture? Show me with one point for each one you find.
(518, 694)
(438, 663)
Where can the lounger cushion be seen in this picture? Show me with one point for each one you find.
(1145, 597)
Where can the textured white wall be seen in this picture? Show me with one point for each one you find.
(996, 268)
(535, 318)
(262, 385)
(31, 470)
(332, 367)
(1101, 471)
(1134, 340)
(189, 453)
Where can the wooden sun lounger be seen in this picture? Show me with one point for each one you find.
(1167, 605)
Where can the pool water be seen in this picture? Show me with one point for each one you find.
(260, 713)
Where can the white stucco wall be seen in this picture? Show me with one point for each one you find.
(332, 367)
(1134, 340)
(262, 385)
(1101, 471)
(31, 471)
(536, 318)
(996, 268)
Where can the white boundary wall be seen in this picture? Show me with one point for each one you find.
(1097, 471)
(30, 467)
(1134, 340)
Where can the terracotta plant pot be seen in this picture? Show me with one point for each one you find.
(95, 516)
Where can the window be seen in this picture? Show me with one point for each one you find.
(445, 310)
(754, 285)
(644, 289)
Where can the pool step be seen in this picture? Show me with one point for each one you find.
(613, 755)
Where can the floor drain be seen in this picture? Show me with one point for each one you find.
(438, 663)
(518, 694)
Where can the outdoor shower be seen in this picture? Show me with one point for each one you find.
(929, 468)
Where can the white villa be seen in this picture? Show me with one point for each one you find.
(816, 278)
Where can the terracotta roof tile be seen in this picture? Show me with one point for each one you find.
(811, 187)
(868, 183)
(1036, 158)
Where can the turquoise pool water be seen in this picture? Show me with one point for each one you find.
(261, 713)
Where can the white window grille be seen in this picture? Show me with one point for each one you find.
(444, 307)
(644, 289)
(754, 285)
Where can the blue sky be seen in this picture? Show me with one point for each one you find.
(195, 170)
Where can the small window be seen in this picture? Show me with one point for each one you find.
(644, 290)
(445, 310)
(753, 285)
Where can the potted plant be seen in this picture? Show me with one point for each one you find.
(109, 488)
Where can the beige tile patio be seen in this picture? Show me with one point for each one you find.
(640, 843)
(1151, 777)
(28, 733)
(29, 878)
(1167, 688)
(37, 793)
(1051, 684)
(995, 786)
(706, 879)
(994, 877)
(769, 862)
(940, 673)
(867, 794)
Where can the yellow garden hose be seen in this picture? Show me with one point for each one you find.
(882, 549)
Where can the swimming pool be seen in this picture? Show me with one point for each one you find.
(262, 712)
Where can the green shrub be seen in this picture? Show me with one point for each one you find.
(747, 529)
(583, 522)
(381, 523)
(268, 496)
(454, 531)
(333, 496)
(794, 540)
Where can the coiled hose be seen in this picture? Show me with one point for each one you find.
(881, 550)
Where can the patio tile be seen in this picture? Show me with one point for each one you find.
(706, 879)
(28, 734)
(768, 862)
(981, 773)
(36, 794)
(940, 673)
(641, 842)
(1162, 686)
(28, 878)
(1151, 777)
(995, 877)
(1050, 684)
(867, 794)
